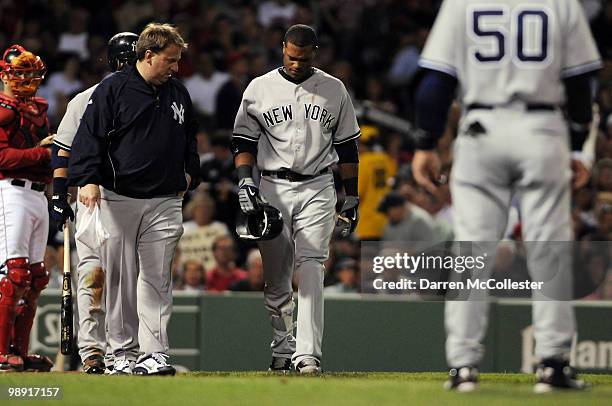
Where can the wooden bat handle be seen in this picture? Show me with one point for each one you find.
(67, 329)
(66, 249)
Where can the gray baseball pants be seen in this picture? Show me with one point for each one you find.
(524, 154)
(308, 209)
(90, 298)
(137, 258)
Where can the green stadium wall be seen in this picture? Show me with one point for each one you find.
(230, 332)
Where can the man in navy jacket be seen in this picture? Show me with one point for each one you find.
(135, 155)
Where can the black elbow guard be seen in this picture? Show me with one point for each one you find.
(240, 145)
(348, 152)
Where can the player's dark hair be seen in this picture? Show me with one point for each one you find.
(301, 35)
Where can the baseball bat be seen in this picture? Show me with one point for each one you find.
(67, 327)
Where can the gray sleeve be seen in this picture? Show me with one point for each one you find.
(347, 128)
(441, 48)
(581, 55)
(70, 122)
(246, 125)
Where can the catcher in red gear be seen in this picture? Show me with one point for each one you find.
(24, 173)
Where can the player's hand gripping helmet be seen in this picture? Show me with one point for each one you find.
(23, 70)
(264, 224)
(121, 49)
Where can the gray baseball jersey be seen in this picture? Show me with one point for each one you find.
(506, 50)
(71, 120)
(296, 124)
(510, 57)
(90, 299)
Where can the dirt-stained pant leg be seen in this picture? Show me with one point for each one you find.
(160, 230)
(278, 259)
(121, 216)
(90, 298)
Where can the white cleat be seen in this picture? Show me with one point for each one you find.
(153, 364)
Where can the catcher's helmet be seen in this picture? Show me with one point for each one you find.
(122, 49)
(264, 224)
(23, 70)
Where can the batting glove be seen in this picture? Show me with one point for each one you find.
(349, 215)
(60, 210)
(248, 195)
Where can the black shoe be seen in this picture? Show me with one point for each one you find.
(308, 366)
(553, 373)
(279, 364)
(94, 364)
(462, 379)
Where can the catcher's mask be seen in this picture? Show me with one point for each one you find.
(264, 224)
(22, 70)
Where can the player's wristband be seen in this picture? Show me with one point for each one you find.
(60, 186)
(351, 186)
(58, 161)
(244, 171)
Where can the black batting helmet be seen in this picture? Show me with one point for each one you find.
(264, 224)
(122, 49)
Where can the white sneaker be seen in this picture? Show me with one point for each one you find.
(153, 364)
(123, 366)
(309, 366)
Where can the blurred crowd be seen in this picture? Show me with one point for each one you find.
(373, 46)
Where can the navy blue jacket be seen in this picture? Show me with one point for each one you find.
(135, 139)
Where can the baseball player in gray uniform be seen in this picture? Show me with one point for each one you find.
(516, 64)
(297, 121)
(90, 300)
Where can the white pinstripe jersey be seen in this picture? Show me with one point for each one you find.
(296, 124)
(507, 50)
(72, 119)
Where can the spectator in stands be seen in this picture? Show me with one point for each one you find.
(225, 273)
(61, 85)
(230, 93)
(75, 39)
(255, 279)
(218, 174)
(376, 173)
(279, 12)
(405, 62)
(407, 222)
(347, 276)
(204, 85)
(194, 276)
(200, 233)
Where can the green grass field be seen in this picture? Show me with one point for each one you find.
(260, 388)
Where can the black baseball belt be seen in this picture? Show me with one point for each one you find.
(528, 106)
(293, 176)
(39, 187)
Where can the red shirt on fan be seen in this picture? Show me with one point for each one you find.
(218, 280)
(23, 124)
